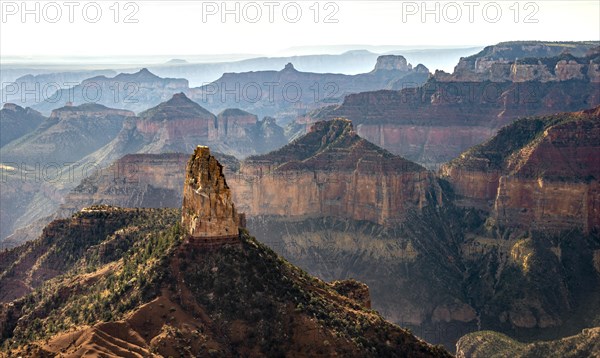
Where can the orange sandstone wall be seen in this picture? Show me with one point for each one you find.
(381, 198)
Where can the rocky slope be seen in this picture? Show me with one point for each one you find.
(135, 287)
(16, 121)
(286, 93)
(538, 173)
(492, 344)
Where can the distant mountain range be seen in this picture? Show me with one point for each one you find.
(289, 93)
(202, 69)
(34, 88)
(281, 94)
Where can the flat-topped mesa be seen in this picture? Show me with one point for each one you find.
(208, 214)
(392, 63)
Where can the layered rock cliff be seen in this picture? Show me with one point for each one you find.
(243, 131)
(436, 122)
(233, 124)
(528, 61)
(333, 172)
(450, 113)
(136, 180)
(179, 125)
(537, 174)
(391, 63)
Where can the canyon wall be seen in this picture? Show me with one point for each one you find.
(333, 172)
(538, 174)
(435, 123)
(529, 61)
(450, 113)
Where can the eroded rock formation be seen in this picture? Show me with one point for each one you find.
(208, 211)
(450, 113)
(391, 63)
(180, 124)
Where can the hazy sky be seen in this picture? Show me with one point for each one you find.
(77, 28)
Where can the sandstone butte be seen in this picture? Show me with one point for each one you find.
(332, 171)
(208, 213)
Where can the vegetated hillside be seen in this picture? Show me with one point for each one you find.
(133, 288)
(488, 344)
